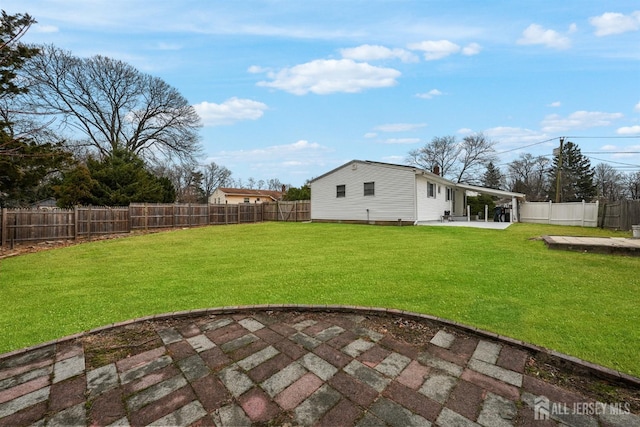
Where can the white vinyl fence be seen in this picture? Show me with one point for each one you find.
(575, 213)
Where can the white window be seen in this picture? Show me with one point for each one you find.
(448, 194)
(341, 190)
(431, 189)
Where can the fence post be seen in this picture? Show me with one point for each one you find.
(76, 219)
(146, 217)
(89, 223)
(549, 214)
(3, 228)
(238, 213)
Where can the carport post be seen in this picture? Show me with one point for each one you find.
(468, 213)
(514, 210)
(486, 213)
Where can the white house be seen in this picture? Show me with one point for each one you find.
(374, 192)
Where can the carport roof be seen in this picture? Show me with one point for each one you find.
(491, 191)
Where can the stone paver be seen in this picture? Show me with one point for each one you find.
(102, 379)
(277, 367)
(487, 352)
(443, 339)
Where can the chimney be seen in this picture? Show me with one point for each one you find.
(284, 188)
(436, 170)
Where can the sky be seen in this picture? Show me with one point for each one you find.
(291, 89)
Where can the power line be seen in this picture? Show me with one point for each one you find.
(526, 146)
(604, 137)
(611, 152)
(617, 163)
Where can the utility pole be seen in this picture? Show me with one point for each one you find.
(559, 174)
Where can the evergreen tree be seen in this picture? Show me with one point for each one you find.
(492, 177)
(25, 164)
(117, 180)
(302, 193)
(576, 176)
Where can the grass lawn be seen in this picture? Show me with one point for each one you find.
(586, 305)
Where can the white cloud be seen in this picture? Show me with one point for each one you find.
(400, 127)
(369, 52)
(579, 120)
(629, 130)
(428, 95)
(295, 159)
(637, 108)
(435, 49)
(370, 135)
(622, 152)
(39, 28)
(282, 153)
(536, 34)
(506, 135)
(256, 69)
(464, 131)
(471, 49)
(555, 104)
(330, 76)
(402, 141)
(615, 23)
(230, 111)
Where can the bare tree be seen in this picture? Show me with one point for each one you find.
(274, 184)
(112, 105)
(609, 183)
(632, 185)
(528, 175)
(458, 161)
(476, 152)
(214, 176)
(442, 151)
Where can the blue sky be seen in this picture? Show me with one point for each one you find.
(290, 89)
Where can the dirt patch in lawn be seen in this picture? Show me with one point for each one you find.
(109, 346)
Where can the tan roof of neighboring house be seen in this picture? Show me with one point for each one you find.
(275, 195)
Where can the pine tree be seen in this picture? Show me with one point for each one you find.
(492, 177)
(576, 176)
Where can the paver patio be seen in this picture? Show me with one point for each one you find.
(283, 367)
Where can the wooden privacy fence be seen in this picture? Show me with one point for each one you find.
(574, 213)
(620, 215)
(37, 225)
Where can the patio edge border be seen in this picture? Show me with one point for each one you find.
(595, 369)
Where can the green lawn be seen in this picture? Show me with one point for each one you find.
(586, 305)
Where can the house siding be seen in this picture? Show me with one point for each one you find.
(431, 208)
(393, 199)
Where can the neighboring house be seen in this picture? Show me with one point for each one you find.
(375, 192)
(234, 196)
(46, 204)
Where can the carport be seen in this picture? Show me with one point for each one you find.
(467, 222)
(515, 197)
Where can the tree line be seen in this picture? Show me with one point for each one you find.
(473, 160)
(95, 131)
